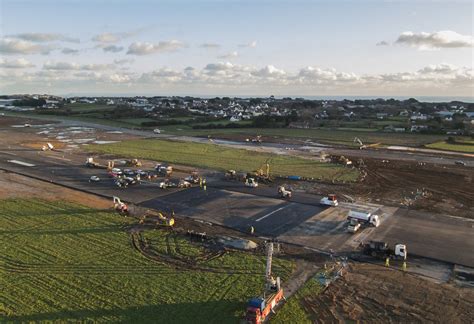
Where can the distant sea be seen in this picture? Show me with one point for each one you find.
(419, 98)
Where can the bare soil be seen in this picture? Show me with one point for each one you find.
(428, 187)
(17, 186)
(374, 294)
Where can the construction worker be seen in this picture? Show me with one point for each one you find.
(387, 262)
(404, 266)
(252, 230)
(204, 184)
(200, 182)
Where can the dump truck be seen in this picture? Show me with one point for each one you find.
(283, 192)
(90, 163)
(330, 200)
(259, 308)
(381, 250)
(364, 217)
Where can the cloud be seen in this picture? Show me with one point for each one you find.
(68, 66)
(252, 44)
(382, 43)
(318, 75)
(441, 39)
(112, 48)
(145, 48)
(269, 71)
(438, 68)
(110, 38)
(210, 45)
(230, 55)
(16, 46)
(20, 63)
(69, 51)
(45, 37)
(123, 61)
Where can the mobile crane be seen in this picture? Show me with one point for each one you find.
(259, 308)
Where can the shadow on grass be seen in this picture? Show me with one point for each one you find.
(222, 311)
(87, 230)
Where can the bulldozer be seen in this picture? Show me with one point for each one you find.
(158, 218)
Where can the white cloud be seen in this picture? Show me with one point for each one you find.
(67, 66)
(229, 55)
(252, 44)
(20, 63)
(441, 39)
(382, 43)
(317, 75)
(112, 48)
(16, 46)
(210, 45)
(112, 37)
(123, 61)
(45, 37)
(145, 48)
(269, 71)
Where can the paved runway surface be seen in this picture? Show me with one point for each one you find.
(300, 220)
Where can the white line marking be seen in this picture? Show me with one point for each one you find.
(59, 158)
(21, 163)
(271, 213)
(9, 153)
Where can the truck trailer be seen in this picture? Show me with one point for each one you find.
(381, 250)
(364, 217)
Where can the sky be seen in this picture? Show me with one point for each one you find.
(217, 48)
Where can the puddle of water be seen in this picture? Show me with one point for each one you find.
(83, 140)
(43, 132)
(104, 142)
(18, 126)
(115, 132)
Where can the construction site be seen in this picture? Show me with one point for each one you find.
(395, 245)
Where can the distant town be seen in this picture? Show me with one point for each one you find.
(387, 115)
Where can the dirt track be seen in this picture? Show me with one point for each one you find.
(374, 294)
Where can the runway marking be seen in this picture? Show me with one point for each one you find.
(9, 153)
(271, 213)
(59, 158)
(21, 163)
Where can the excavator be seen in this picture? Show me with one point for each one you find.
(262, 174)
(364, 146)
(120, 206)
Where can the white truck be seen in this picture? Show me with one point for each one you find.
(283, 192)
(330, 200)
(364, 217)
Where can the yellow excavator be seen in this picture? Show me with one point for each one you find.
(262, 174)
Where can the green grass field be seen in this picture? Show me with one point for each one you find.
(464, 146)
(64, 262)
(343, 136)
(293, 310)
(222, 158)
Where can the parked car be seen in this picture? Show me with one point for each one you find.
(94, 179)
(460, 163)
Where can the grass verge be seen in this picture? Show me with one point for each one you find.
(64, 262)
(222, 158)
(293, 311)
(467, 147)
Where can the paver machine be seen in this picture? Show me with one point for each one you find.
(259, 308)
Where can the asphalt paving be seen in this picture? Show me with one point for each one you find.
(300, 220)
